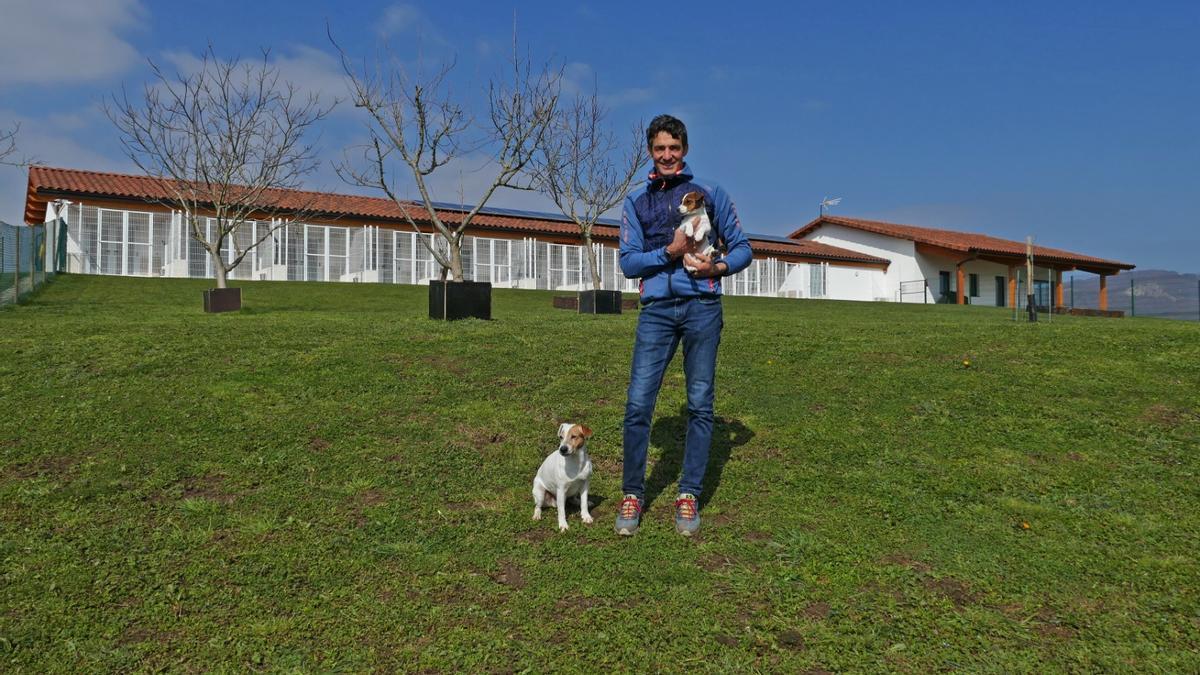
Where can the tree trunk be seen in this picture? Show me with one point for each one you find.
(218, 268)
(456, 264)
(592, 262)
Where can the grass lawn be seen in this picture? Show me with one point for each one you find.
(327, 480)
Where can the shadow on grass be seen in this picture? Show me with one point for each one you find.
(669, 433)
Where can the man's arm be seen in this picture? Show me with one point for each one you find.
(737, 247)
(637, 263)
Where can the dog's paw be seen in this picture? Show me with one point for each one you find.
(537, 515)
(563, 527)
(587, 519)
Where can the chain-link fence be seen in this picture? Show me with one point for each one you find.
(1140, 293)
(31, 256)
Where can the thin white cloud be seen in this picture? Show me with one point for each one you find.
(65, 42)
(408, 19)
(309, 69)
(580, 79)
(53, 141)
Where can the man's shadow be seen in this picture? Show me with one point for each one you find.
(669, 433)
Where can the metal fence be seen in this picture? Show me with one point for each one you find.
(139, 243)
(31, 256)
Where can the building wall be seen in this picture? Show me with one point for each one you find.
(886, 285)
(133, 242)
(910, 268)
(987, 272)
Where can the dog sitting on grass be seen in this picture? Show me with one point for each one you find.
(563, 474)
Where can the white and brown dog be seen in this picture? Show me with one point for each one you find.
(563, 474)
(695, 222)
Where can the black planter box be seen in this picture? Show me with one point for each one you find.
(450, 300)
(222, 299)
(600, 302)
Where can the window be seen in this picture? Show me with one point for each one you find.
(1000, 294)
(973, 285)
(944, 286)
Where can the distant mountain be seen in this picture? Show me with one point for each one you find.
(1155, 293)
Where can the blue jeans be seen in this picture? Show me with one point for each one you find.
(662, 324)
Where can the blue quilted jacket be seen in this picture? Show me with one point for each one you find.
(648, 224)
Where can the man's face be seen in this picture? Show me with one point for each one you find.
(667, 153)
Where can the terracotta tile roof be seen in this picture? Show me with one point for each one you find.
(966, 242)
(47, 184)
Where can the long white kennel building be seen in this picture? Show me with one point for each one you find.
(124, 225)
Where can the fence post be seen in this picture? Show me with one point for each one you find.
(17, 269)
(1132, 302)
(32, 260)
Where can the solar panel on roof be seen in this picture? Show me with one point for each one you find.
(520, 213)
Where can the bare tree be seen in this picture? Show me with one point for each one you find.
(416, 126)
(229, 141)
(585, 169)
(8, 144)
(8, 147)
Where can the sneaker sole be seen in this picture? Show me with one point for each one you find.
(626, 532)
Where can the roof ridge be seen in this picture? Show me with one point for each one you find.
(145, 177)
(981, 241)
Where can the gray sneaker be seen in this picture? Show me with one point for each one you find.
(629, 515)
(687, 515)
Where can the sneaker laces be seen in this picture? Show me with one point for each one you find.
(685, 506)
(630, 507)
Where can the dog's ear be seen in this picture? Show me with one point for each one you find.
(563, 429)
(587, 433)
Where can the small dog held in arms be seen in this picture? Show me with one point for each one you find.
(695, 222)
(563, 474)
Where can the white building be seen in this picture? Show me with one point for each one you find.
(126, 225)
(934, 265)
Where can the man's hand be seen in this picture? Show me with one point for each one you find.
(705, 267)
(680, 245)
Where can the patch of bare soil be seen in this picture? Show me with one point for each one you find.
(958, 591)
(573, 603)
(509, 575)
(208, 487)
(57, 466)
(1164, 416)
(818, 611)
(477, 437)
(535, 536)
(790, 639)
(363, 501)
(715, 562)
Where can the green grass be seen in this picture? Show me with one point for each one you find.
(327, 481)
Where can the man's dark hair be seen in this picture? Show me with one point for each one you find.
(671, 125)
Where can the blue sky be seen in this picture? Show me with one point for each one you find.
(1077, 123)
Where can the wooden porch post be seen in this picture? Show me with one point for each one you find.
(1012, 286)
(1103, 291)
(1057, 289)
(961, 282)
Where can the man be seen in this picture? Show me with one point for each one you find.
(677, 306)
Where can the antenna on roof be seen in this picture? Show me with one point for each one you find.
(827, 202)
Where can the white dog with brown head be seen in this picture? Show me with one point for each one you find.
(696, 224)
(563, 474)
